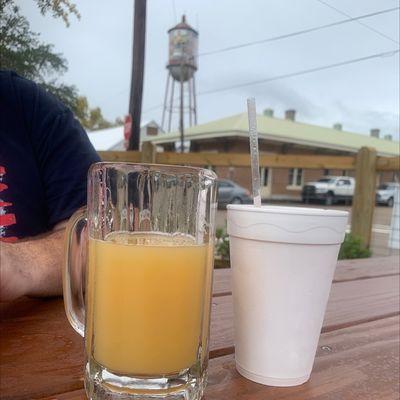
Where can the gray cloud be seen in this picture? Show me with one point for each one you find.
(279, 96)
(361, 96)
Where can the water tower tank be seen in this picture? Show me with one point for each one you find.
(182, 59)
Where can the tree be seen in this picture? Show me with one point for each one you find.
(23, 52)
(60, 9)
(92, 119)
(118, 121)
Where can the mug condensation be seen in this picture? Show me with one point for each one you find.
(138, 278)
(283, 260)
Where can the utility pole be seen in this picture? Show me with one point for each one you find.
(138, 51)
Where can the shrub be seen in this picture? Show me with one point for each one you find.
(222, 244)
(353, 248)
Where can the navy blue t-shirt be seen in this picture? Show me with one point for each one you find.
(44, 158)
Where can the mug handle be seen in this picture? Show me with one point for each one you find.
(74, 270)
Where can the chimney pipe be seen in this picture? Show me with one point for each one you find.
(269, 112)
(337, 126)
(388, 137)
(375, 133)
(290, 115)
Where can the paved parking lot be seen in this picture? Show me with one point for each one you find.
(380, 229)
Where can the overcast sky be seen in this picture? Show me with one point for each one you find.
(361, 96)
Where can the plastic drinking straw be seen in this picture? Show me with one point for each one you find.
(255, 170)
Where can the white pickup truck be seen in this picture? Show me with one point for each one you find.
(329, 189)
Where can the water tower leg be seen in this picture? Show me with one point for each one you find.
(194, 101)
(190, 102)
(181, 115)
(165, 102)
(171, 105)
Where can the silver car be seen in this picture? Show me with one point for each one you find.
(230, 192)
(385, 193)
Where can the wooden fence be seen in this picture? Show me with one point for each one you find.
(366, 165)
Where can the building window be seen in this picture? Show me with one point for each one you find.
(327, 172)
(264, 176)
(295, 177)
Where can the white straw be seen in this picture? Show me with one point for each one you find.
(255, 170)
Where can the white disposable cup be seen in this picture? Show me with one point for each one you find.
(283, 260)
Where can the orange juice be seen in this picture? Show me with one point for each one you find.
(146, 302)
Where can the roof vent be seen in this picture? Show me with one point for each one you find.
(290, 115)
(269, 112)
(388, 137)
(375, 133)
(338, 126)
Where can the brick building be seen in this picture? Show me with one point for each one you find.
(277, 136)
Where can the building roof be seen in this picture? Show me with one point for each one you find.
(108, 139)
(113, 138)
(282, 130)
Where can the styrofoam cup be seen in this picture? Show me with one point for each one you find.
(283, 260)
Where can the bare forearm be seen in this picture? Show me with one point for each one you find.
(32, 267)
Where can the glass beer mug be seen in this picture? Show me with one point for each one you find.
(138, 280)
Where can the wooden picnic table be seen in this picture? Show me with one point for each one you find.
(357, 357)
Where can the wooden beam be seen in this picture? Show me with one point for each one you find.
(388, 164)
(148, 153)
(204, 159)
(237, 159)
(266, 160)
(307, 161)
(364, 196)
(121, 156)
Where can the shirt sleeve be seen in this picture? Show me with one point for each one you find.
(64, 155)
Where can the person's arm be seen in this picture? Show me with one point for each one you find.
(63, 154)
(32, 267)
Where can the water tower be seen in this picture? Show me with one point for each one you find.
(182, 65)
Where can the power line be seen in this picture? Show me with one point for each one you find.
(290, 75)
(302, 72)
(297, 33)
(157, 106)
(153, 108)
(359, 22)
(288, 35)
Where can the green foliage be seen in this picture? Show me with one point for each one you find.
(118, 121)
(350, 248)
(91, 119)
(59, 8)
(353, 248)
(22, 51)
(222, 244)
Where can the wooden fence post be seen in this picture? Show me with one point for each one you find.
(364, 196)
(148, 153)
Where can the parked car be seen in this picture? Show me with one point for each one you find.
(230, 192)
(385, 193)
(329, 189)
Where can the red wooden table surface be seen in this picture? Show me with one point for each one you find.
(358, 354)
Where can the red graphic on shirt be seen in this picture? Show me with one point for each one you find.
(6, 219)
